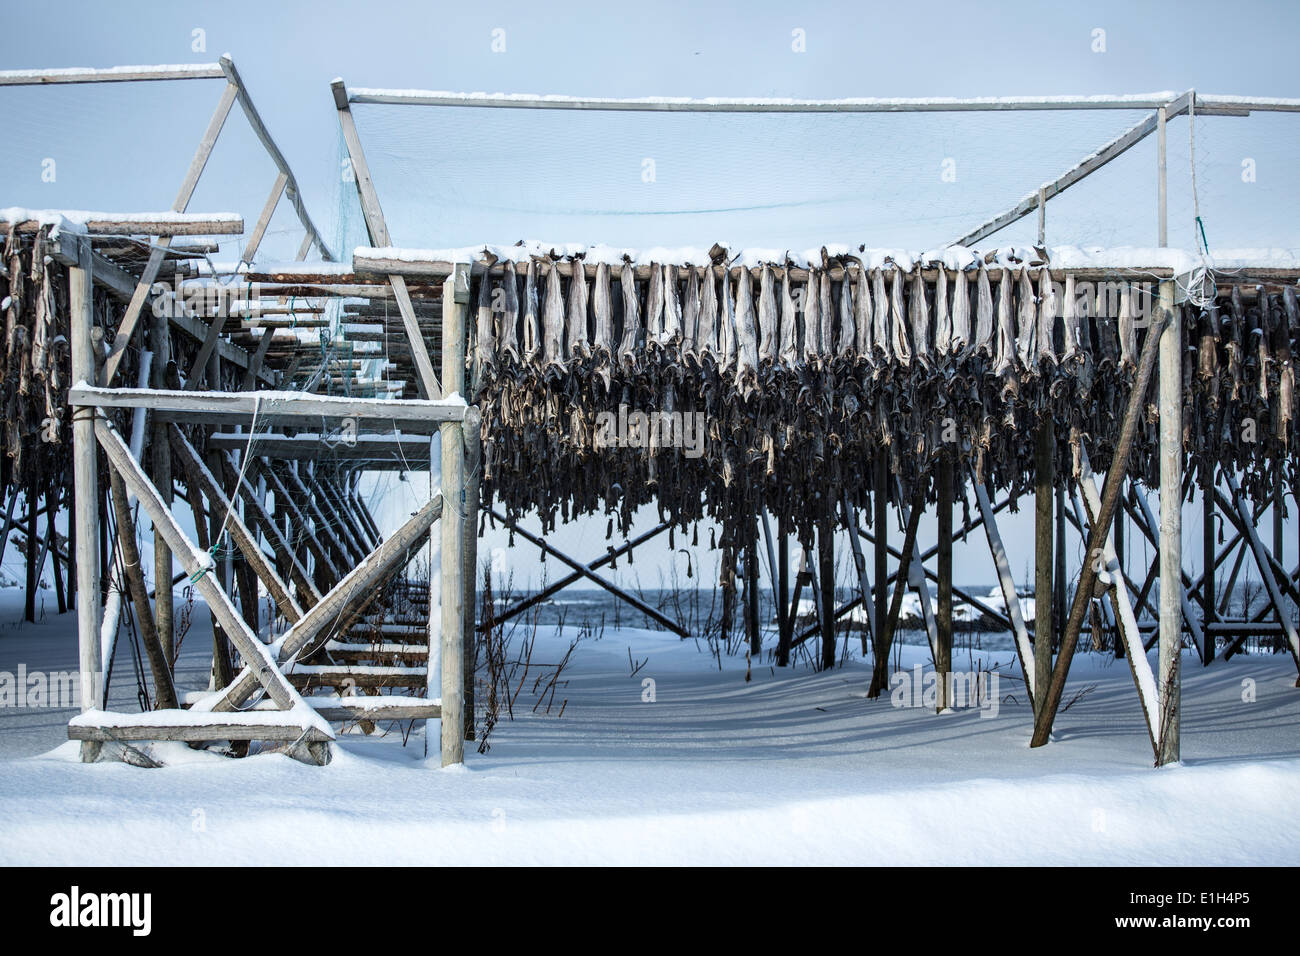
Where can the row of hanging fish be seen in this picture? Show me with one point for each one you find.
(799, 377)
(34, 362)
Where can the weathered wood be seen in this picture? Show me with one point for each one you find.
(1126, 625)
(244, 539)
(254, 652)
(284, 408)
(1044, 454)
(455, 302)
(1169, 678)
(115, 74)
(127, 327)
(1046, 715)
(159, 665)
(1007, 582)
(943, 644)
(879, 678)
(860, 565)
(285, 503)
(85, 477)
(302, 637)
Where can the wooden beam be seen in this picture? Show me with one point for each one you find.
(85, 479)
(359, 582)
(998, 550)
(239, 532)
(299, 409)
(259, 662)
(127, 328)
(1046, 715)
(426, 380)
(115, 74)
(1172, 596)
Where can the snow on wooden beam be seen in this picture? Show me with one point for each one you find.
(125, 224)
(112, 74)
(299, 409)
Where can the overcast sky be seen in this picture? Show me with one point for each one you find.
(464, 177)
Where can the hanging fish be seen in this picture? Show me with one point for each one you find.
(899, 346)
(1127, 327)
(631, 339)
(942, 316)
(532, 334)
(826, 310)
(577, 319)
(509, 336)
(708, 335)
(1070, 322)
(671, 334)
(919, 319)
(862, 317)
(961, 331)
(1048, 307)
(767, 318)
(788, 333)
(1005, 351)
(746, 337)
(553, 319)
(727, 318)
(812, 318)
(603, 314)
(984, 321)
(846, 342)
(654, 306)
(485, 352)
(691, 313)
(880, 318)
(1027, 323)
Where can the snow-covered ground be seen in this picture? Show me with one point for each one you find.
(698, 767)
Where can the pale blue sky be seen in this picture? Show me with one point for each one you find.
(473, 176)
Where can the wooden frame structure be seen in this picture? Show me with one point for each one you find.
(211, 380)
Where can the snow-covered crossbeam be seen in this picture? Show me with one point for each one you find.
(112, 74)
(298, 409)
(1090, 262)
(865, 104)
(124, 223)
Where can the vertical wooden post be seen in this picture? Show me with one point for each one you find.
(785, 614)
(473, 461)
(85, 477)
(826, 562)
(455, 300)
(1044, 593)
(1058, 616)
(1207, 548)
(943, 655)
(160, 342)
(880, 527)
(33, 543)
(1118, 535)
(1171, 527)
(752, 623)
(1163, 180)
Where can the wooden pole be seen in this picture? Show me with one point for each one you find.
(878, 675)
(455, 300)
(161, 460)
(1100, 531)
(1168, 684)
(826, 562)
(85, 478)
(860, 564)
(159, 664)
(469, 557)
(880, 527)
(1044, 454)
(943, 657)
(785, 614)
